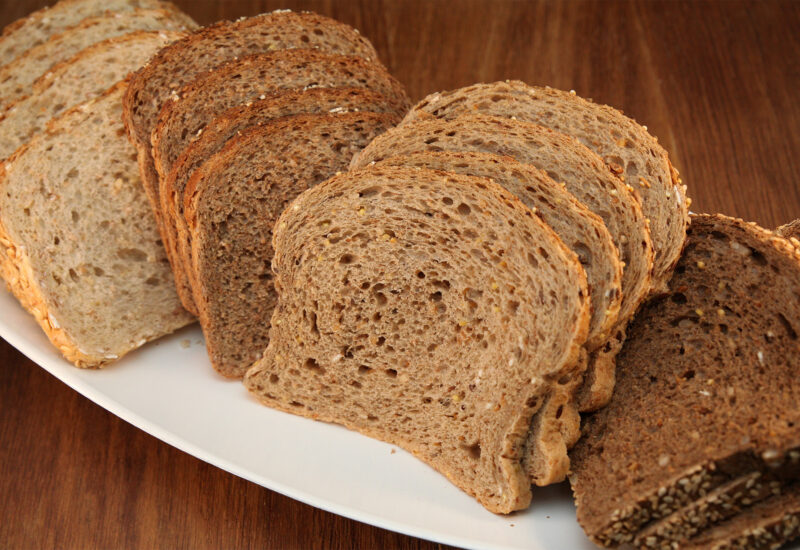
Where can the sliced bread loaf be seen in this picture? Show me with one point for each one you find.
(252, 77)
(626, 146)
(38, 27)
(388, 323)
(232, 202)
(17, 78)
(227, 125)
(707, 387)
(82, 253)
(565, 160)
(583, 233)
(86, 75)
(182, 61)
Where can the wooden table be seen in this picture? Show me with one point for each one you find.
(718, 82)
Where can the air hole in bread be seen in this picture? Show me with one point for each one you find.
(151, 281)
(73, 275)
(678, 298)
(273, 378)
(312, 365)
(363, 369)
(464, 209)
(473, 450)
(347, 259)
(131, 254)
(559, 411)
(391, 373)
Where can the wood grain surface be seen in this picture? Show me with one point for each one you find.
(718, 82)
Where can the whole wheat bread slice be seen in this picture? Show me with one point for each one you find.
(225, 126)
(766, 526)
(582, 232)
(86, 75)
(386, 320)
(707, 385)
(181, 62)
(82, 253)
(38, 27)
(17, 78)
(585, 176)
(232, 202)
(624, 145)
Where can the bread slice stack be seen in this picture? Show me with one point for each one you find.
(430, 309)
(231, 123)
(81, 252)
(700, 446)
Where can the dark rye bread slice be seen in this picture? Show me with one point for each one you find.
(624, 145)
(227, 125)
(766, 526)
(584, 234)
(386, 320)
(722, 503)
(208, 47)
(232, 202)
(690, 405)
(17, 78)
(85, 76)
(565, 160)
(80, 247)
(28, 32)
(252, 77)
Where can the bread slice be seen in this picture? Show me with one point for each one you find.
(17, 78)
(690, 413)
(38, 27)
(388, 323)
(564, 159)
(85, 76)
(82, 253)
(585, 234)
(766, 526)
(790, 230)
(624, 145)
(252, 77)
(232, 202)
(209, 47)
(227, 125)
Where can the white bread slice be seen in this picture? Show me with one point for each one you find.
(81, 249)
(86, 75)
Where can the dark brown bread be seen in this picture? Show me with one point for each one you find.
(622, 143)
(225, 126)
(564, 159)
(209, 47)
(690, 413)
(232, 203)
(766, 526)
(386, 321)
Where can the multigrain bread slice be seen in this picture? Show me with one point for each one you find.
(252, 77)
(627, 147)
(227, 125)
(232, 202)
(85, 76)
(82, 253)
(17, 78)
(178, 64)
(766, 526)
(387, 320)
(582, 232)
(707, 386)
(585, 177)
(38, 27)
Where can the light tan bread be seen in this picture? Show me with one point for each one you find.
(706, 395)
(227, 125)
(567, 161)
(209, 47)
(386, 320)
(38, 27)
(86, 75)
(82, 253)
(17, 78)
(626, 146)
(232, 202)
